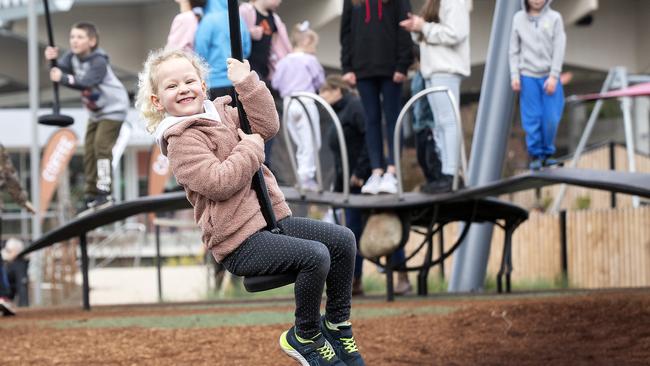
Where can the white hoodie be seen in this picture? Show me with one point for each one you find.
(445, 46)
(169, 121)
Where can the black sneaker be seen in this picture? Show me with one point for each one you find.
(6, 307)
(314, 352)
(87, 206)
(443, 185)
(549, 162)
(342, 341)
(102, 200)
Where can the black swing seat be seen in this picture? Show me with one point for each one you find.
(268, 282)
(55, 119)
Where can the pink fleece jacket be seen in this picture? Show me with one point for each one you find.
(280, 44)
(181, 33)
(216, 168)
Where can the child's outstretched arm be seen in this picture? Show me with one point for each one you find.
(93, 76)
(255, 98)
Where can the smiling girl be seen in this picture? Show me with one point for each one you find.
(214, 161)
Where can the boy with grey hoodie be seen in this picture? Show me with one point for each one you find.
(537, 45)
(85, 68)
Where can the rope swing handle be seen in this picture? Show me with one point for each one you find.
(258, 183)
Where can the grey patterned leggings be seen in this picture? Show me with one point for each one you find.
(321, 253)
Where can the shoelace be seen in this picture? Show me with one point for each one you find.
(326, 351)
(349, 345)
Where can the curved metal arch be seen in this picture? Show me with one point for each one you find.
(339, 132)
(287, 144)
(398, 133)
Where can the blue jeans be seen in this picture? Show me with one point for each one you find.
(540, 115)
(445, 132)
(375, 93)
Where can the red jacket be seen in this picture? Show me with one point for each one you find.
(216, 168)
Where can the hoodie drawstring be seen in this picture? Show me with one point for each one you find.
(380, 11)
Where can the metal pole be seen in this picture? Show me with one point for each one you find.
(612, 166)
(158, 269)
(36, 272)
(585, 137)
(564, 257)
(343, 148)
(489, 146)
(83, 244)
(397, 136)
(626, 107)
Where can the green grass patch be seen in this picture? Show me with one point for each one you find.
(231, 319)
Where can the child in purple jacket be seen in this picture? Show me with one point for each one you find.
(300, 71)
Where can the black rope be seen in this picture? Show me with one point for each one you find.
(50, 37)
(259, 185)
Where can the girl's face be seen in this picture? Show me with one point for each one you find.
(181, 91)
(536, 5)
(331, 96)
(309, 44)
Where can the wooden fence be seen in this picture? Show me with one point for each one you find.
(604, 248)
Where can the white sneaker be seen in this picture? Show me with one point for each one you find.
(372, 185)
(388, 184)
(310, 184)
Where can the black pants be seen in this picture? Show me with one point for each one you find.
(428, 159)
(321, 254)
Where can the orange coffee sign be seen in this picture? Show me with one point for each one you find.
(56, 157)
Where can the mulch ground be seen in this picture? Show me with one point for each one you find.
(571, 328)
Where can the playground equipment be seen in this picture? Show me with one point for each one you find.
(468, 204)
(258, 283)
(296, 97)
(411, 208)
(462, 205)
(488, 150)
(615, 86)
(397, 137)
(55, 118)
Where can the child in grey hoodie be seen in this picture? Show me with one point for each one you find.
(85, 68)
(537, 46)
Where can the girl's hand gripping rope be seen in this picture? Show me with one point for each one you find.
(237, 71)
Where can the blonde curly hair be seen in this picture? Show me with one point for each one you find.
(148, 82)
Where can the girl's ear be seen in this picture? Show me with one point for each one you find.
(156, 103)
(205, 89)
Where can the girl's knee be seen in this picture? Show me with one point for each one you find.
(348, 241)
(321, 258)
